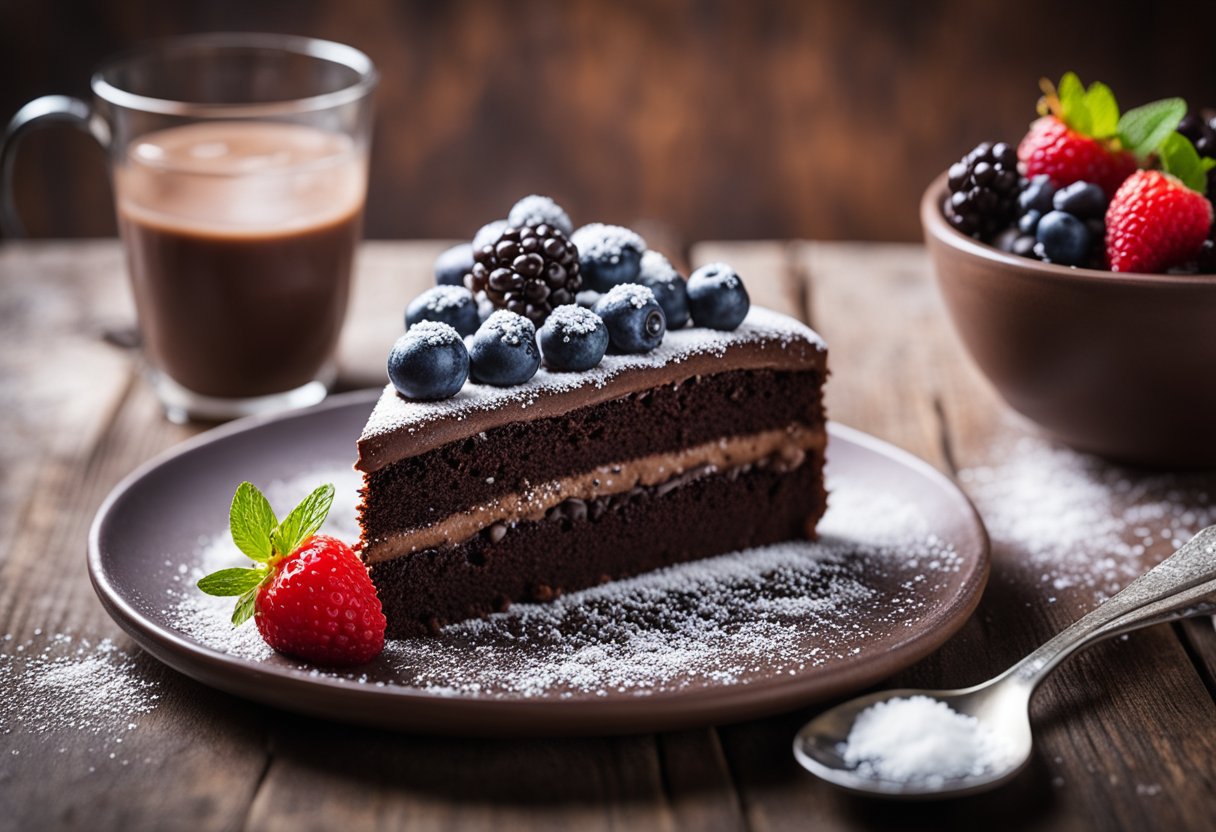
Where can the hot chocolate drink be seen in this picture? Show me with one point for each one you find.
(241, 237)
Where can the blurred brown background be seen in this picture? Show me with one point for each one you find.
(718, 119)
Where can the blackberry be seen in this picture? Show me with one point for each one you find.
(984, 188)
(529, 271)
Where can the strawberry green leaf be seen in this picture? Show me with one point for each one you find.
(231, 581)
(252, 521)
(244, 607)
(1103, 110)
(304, 520)
(1143, 129)
(1072, 104)
(1179, 158)
(1207, 163)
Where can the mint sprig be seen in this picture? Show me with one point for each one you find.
(1094, 112)
(1180, 158)
(1143, 129)
(266, 541)
(304, 520)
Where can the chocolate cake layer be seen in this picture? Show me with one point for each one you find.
(582, 544)
(399, 428)
(419, 491)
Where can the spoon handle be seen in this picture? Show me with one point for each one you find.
(1175, 587)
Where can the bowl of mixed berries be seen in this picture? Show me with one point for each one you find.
(1078, 265)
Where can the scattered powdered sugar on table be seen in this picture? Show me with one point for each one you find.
(1080, 523)
(61, 684)
(781, 609)
(922, 740)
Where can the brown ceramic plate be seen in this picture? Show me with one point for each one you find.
(781, 628)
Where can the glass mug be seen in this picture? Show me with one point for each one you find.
(239, 165)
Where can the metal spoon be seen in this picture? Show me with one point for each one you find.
(1182, 585)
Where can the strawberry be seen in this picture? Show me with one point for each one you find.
(309, 593)
(1154, 222)
(1053, 148)
(1081, 137)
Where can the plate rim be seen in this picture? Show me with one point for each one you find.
(510, 715)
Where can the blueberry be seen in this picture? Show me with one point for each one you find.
(609, 255)
(540, 210)
(489, 233)
(429, 362)
(717, 298)
(668, 286)
(634, 318)
(453, 264)
(1062, 238)
(1081, 199)
(587, 298)
(1029, 221)
(1037, 194)
(452, 305)
(503, 351)
(573, 338)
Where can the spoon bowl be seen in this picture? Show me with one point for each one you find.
(1180, 586)
(819, 746)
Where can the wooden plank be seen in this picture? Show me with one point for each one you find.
(1115, 728)
(82, 420)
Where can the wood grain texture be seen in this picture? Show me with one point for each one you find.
(729, 120)
(1124, 733)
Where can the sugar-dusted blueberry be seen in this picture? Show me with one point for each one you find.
(1063, 239)
(452, 305)
(1083, 200)
(453, 264)
(503, 351)
(668, 286)
(609, 255)
(429, 362)
(489, 233)
(635, 320)
(717, 297)
(1037, 195)
(540, 210)
(573, 339)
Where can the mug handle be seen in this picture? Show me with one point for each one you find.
(49, 109)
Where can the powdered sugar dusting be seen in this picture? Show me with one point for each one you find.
(443, 298)
(656, 268)
(634, 294)
(762, 327)
(87, 694)
(606, 243)
(511, 328)
(1082, 525)
(783, 609)
(573, 320)
(434, 333)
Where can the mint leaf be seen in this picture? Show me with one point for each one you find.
(1207, 163)
(1072, 104)
(1179, 158)
(244, 607)
(1143, 129)
(304, 520)
(1103, 111)
(252, 521)
(231, 581)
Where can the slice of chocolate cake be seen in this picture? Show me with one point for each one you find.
(711, 443)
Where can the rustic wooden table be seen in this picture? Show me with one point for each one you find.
(1126, 734)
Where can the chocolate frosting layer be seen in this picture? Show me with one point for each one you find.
(399, 428)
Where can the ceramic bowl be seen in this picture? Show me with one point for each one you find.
(1121, 365)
